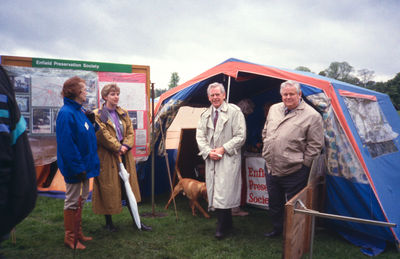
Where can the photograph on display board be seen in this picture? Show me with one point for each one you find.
(46, 91)
(133, 116)
(140, 137)
(54, 113)
(22, 84)
(41, 121)
(90, 103)
(91, 87)
(91, 95)
(23, 102)
(140, 150)
(28, 120)
(140, 120)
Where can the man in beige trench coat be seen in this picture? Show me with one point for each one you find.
(220, 134)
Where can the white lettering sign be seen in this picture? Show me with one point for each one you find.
(257, 193)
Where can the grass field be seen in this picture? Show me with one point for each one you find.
(41, 236)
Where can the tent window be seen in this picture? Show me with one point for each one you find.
(375, 132)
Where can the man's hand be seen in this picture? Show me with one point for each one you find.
(217, 153)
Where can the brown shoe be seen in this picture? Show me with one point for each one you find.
(238, 212)
(273, 233)
(82, 237)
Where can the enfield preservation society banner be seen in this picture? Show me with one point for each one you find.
(257, 193)
(81, 65)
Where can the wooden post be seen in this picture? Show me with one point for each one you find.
(297, 227)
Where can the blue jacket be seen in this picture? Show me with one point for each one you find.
(76, 143)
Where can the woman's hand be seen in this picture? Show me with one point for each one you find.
(123, 150)
(81, 176)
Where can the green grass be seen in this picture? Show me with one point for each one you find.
(41, 235)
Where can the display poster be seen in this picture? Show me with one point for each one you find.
(38, 94)
(257, 193)
(132, 97)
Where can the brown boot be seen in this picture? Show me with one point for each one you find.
(69, 216)
(81, 236)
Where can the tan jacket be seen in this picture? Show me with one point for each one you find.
(223, 177)
(106, 187)
(292, 140)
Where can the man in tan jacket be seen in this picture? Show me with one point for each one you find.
(292, 138)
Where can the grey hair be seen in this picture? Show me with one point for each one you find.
(290, 83)
(216, 85)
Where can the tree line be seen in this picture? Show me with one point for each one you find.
(341, 71)
(344, 72)
(174, 81)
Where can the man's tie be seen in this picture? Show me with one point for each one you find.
(215, 118)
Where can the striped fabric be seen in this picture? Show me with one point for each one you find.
(20, 127)
(4, 114)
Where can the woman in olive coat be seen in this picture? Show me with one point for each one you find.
(114, 139)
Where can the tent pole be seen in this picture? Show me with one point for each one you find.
(153, 155)
(229, 89)
(168, 170)
(152, 149)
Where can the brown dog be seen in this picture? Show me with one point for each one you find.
(193, 189)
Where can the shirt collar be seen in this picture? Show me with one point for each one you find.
(287, 111)
(74, 103)
(216, 109)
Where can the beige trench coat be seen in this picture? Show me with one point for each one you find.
(107, 187)
(292, 140)
(223, 177)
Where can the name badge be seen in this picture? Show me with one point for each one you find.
(86, 126)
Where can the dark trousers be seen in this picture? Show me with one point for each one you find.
(224, 220)
(282, 189)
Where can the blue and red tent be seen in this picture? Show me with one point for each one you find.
(362, 157)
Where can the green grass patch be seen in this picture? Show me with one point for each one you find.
(41, 235)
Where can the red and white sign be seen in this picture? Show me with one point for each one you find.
(257, 193)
